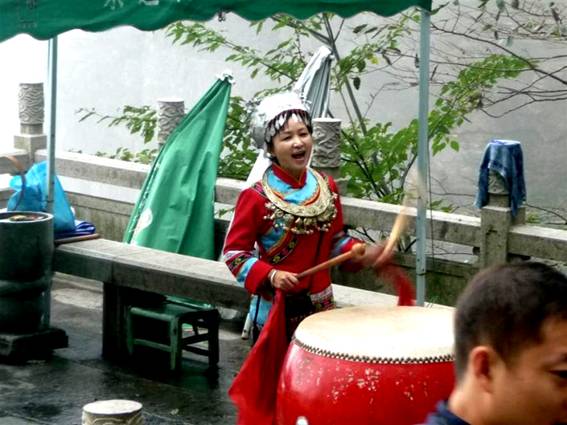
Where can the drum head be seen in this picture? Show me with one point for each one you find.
(380, 335)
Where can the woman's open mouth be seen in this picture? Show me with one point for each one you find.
(298, 155)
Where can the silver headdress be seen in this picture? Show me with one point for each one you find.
(270, 116)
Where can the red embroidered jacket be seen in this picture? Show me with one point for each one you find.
(279, 248)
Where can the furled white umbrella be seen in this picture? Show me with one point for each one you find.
(313, 85)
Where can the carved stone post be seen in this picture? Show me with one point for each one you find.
(170, 113)
(114, 412)
(500, 197)
(327, 147)
(31, 113)
(495, 222)
(501, 194)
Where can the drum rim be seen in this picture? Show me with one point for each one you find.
(444, 358)
(402, 320)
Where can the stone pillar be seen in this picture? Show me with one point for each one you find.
(327, 146)
(499, 196)
(31, 113)
(114, 412)
(327, 149)
(495, 222)
(494, 226)
(170, 114)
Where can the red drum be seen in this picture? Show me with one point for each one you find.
(367, 365)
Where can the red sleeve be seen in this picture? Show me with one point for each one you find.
(247, 225)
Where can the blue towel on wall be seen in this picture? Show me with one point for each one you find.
(504, 157)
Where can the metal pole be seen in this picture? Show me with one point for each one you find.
(422, 157)
(52, 76)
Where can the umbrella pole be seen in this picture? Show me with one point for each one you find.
(52, 76)
(422, 157)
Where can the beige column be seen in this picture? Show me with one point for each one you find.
(31, 113)
(170, 114)
(327, 149)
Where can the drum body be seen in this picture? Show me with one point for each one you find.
(367, 365)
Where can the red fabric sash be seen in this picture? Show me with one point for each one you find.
(386, 269)
(254, 388)
(401, 282)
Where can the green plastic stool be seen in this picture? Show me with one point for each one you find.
(175, 316)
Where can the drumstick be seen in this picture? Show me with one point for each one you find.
(357, 250)
(401, 220)
(397, 229)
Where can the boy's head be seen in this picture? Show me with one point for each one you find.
(511, 343)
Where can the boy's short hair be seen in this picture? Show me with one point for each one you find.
(505, 307)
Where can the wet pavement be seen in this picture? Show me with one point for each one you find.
(54, 391)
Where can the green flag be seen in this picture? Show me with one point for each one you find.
(175, 209)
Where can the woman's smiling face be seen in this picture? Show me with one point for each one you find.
(292, 147)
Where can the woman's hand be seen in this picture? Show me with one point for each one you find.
(370, 256)
(284, 281)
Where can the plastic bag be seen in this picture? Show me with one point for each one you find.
(33, 197)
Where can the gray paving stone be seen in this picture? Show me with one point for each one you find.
(53, 392)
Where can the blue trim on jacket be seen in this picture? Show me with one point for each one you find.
(443, 416)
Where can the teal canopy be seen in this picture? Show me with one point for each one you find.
(44, 19)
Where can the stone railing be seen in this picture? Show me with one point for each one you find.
(90, 182)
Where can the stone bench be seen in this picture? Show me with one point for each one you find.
(130, 273)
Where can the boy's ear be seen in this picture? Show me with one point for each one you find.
(482, 364)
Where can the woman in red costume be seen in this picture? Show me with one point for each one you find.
(284, 224)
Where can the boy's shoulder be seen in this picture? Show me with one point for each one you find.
(443, 416)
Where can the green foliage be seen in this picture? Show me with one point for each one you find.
(386, 43)
(354, 64)
(197, 35)
(237, 157)
(377, 158)
(533, 218)
(377, 162)
(281, 62)
(375, 171)
(465, 94)
(137, 119)
(238, 154)
(443, 205)
(145, 156)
